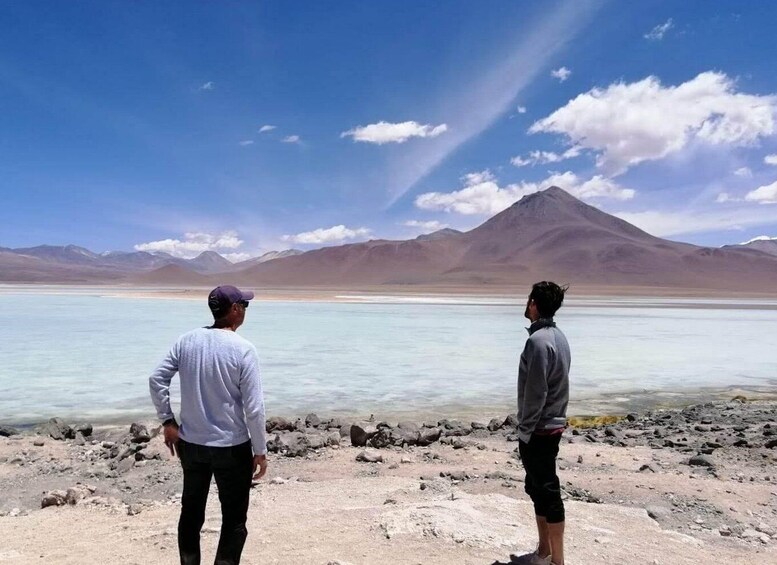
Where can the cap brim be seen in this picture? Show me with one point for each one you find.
(247, 295)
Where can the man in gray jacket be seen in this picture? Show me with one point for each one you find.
(543, 394)
(222, 431)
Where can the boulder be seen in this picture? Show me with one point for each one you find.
(54, 498)
(8, 431)
(360, 435)
(511, 421)
(382, 438)
(494, 425)
(276, 423)
(56, 428)
(701, 461)
(369, 456)
(312, 421)
(429, 436)
(84, 429)
(139, 433)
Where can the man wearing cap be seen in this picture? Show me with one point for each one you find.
(222, 429)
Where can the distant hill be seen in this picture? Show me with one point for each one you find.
(546, 235)
(764, 245)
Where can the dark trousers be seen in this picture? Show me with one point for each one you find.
(232, 467)
(542, 484)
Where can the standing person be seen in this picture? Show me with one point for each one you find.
(222, 430)
(543, 394)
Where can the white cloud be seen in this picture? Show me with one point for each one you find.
(766, 194)
(193, 244)
(658, 32)
(545, 157)
(771, 159)
(291, 139)
(642, 121)
(427, 226)
(385, 132)
(482, 195)
(561, 74)
(210, 85)
(266, 128)
(744, 172)
(521, 109)
(335, 234)
(759, 238)
(236, 257)
(246, 142)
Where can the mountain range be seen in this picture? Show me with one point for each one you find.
(545, 235)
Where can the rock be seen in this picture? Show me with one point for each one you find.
(54, 498)
(369, 456)
(276, 423)
(76, 494)
(405, 437)
(134, 509)
(494, 425)
(658, 513)
(125, 465)
(455, 475)
(85, 430)
(406, 460)
(382, 438)
(511, 421)
(647, 468)
(701, 461)
(312, 420)
(38, 443)
(57, 429)
(409, 426)
(477, 426)
(429, 436)
(278, 481)
(771, 444)
(8, 431)
(579, 459)
(632, 417)
(767, 529)
(361, 435)
(345, 430)
(139, 433)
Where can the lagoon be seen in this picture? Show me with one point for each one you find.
(88, 355)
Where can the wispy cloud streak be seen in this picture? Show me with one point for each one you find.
(470, 111)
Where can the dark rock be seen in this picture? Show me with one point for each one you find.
(494, 425)
(647, 468)
(403, 436)
(632, 417)
(429, 436)
(455, 475)
(139, 433)
(84, 429)
(511, 421)
(382, 438)
(299, 425)
(312, 420)
(368, 456)
(276, 423)
(771, 444)
(658, 513)
(54, 498)
(701, 461)
(411, 426)
(477, 426)
(57, 429)
(8, 431)
(361, 435)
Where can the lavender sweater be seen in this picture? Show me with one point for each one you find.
(222, 403)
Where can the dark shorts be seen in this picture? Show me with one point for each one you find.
(542, 483)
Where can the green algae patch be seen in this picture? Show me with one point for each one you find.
(593, 421)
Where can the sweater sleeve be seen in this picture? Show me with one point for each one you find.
(159, 384)
(253, 401)
(536, 389)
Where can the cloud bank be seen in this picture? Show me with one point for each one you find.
(385, 132)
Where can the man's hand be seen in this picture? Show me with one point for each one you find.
(260, 461)
(171, 438)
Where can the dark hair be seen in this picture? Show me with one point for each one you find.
(548, 296)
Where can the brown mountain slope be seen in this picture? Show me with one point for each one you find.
(549, 234)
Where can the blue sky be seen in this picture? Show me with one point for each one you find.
(137, 124)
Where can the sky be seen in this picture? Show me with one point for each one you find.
(245, 127)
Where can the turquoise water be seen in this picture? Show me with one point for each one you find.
(89, 357)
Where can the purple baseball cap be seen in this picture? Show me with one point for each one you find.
(224, 296)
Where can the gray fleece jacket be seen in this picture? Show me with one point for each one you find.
(543, 380)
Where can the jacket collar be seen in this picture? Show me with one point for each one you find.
(541, 323)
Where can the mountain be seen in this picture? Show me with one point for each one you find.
(269, 256)
(764, 245)
(546, 235)
(439, 234)
(209, 262)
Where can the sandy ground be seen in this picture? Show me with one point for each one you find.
(327, 508)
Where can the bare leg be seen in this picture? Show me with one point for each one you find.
(556, 535)
(544, 547)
